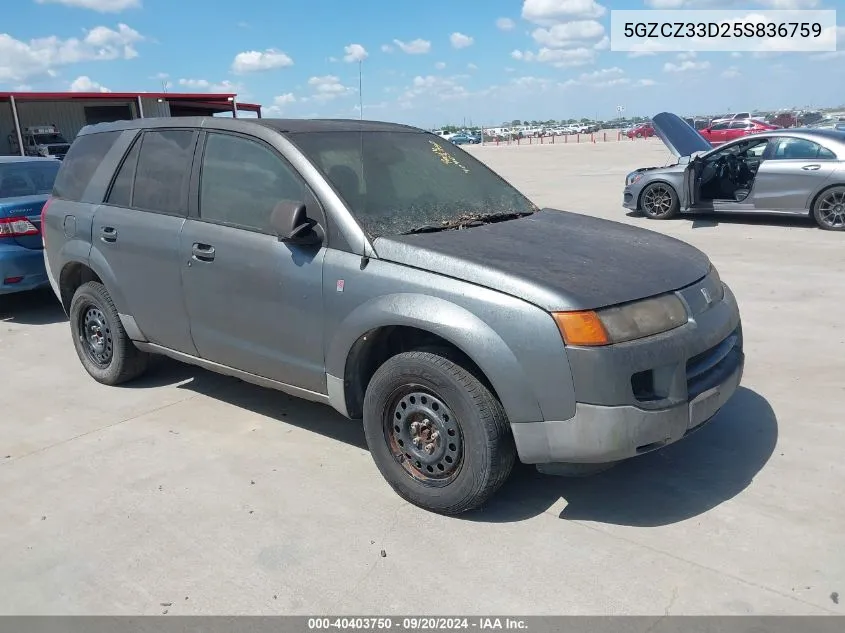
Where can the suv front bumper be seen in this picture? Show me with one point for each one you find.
(640, 396)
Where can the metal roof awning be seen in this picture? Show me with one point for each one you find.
(213, 103)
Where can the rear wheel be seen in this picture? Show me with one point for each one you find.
(438, 435)
(101, 343)
(829, 209)
(659, 201)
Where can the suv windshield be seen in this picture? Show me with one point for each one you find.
(49, 139)
(402, 182)
(27, 178)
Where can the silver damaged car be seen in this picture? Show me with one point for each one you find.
(787, 171)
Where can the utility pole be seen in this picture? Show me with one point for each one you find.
(360, 87)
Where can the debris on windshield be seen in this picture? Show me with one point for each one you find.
(445, 157)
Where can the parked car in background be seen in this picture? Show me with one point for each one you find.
(730, 117)
(463, 138)
(644, 130)
(794, 171)
(25, 184)
(361, 264)
(730, 130)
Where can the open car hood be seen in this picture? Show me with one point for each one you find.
(678, 135)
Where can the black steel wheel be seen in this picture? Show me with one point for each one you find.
(101, 343)
(424, 435)
(436, 432)
(659, 201)
(95, 335)
(829, 209)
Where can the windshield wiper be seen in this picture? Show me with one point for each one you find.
(467, 221)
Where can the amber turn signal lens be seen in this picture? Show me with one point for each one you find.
(581, 328)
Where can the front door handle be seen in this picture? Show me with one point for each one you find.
(811, 167)
(108, 234)
(202, 252)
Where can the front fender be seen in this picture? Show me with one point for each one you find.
(453, 323)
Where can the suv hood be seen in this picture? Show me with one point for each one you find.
(556, 260)
(679, 136)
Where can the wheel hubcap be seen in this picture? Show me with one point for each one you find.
(657, 201)
(832, 209)
(424, 436)
(95, 335)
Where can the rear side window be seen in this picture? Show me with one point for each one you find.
(163, 172)
(121, 190)
(80, 163)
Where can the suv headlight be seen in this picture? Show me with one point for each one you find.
(622, 323)
(633, 177)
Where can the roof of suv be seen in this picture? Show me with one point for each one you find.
(291, 126)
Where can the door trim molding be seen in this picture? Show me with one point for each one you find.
(218, 368)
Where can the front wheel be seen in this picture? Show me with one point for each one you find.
(437, 434)
(659, 201)
(829, 209)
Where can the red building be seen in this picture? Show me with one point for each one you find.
(69, 112)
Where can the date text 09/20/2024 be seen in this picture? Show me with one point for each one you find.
(416, 623)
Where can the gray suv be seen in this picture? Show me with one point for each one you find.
(386, 272)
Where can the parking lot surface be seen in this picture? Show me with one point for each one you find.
(188, 492)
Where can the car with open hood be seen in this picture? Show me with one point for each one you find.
(783, 171)
(386, 272)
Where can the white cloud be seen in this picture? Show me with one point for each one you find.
(84, 83)
(505, 24)
(736, 54)
(685, 66)
(416, 47)
(253, 61)
(645, 82)
(550, 12)
(19, 59)
(459, 40)
(731, 73)
(440, 65)
(568, 33)
(665, 4)
(103, 6)
(284, 99)
(433, 87)
(327, 87)
(203, 85)
(635, 54)
(557, 57)
(386, 48)
(472, 67)
(355, 53)
(689, 55)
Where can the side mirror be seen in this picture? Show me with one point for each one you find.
(292, 225)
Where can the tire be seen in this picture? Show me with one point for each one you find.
(659, 201)
(101, 343)
(829, 209)
(473, 452)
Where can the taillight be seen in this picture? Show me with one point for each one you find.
(43, 218)
(16, 227)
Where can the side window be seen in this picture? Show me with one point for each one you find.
(121, 189)
(743, 115)
(163, 171)
(720, 126)
(242, 181)
(85, 155)
(800, 149)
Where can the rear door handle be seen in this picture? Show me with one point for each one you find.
(108, 234)
(811, 167)
(202, 252)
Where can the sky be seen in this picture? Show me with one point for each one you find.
(427, 63)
